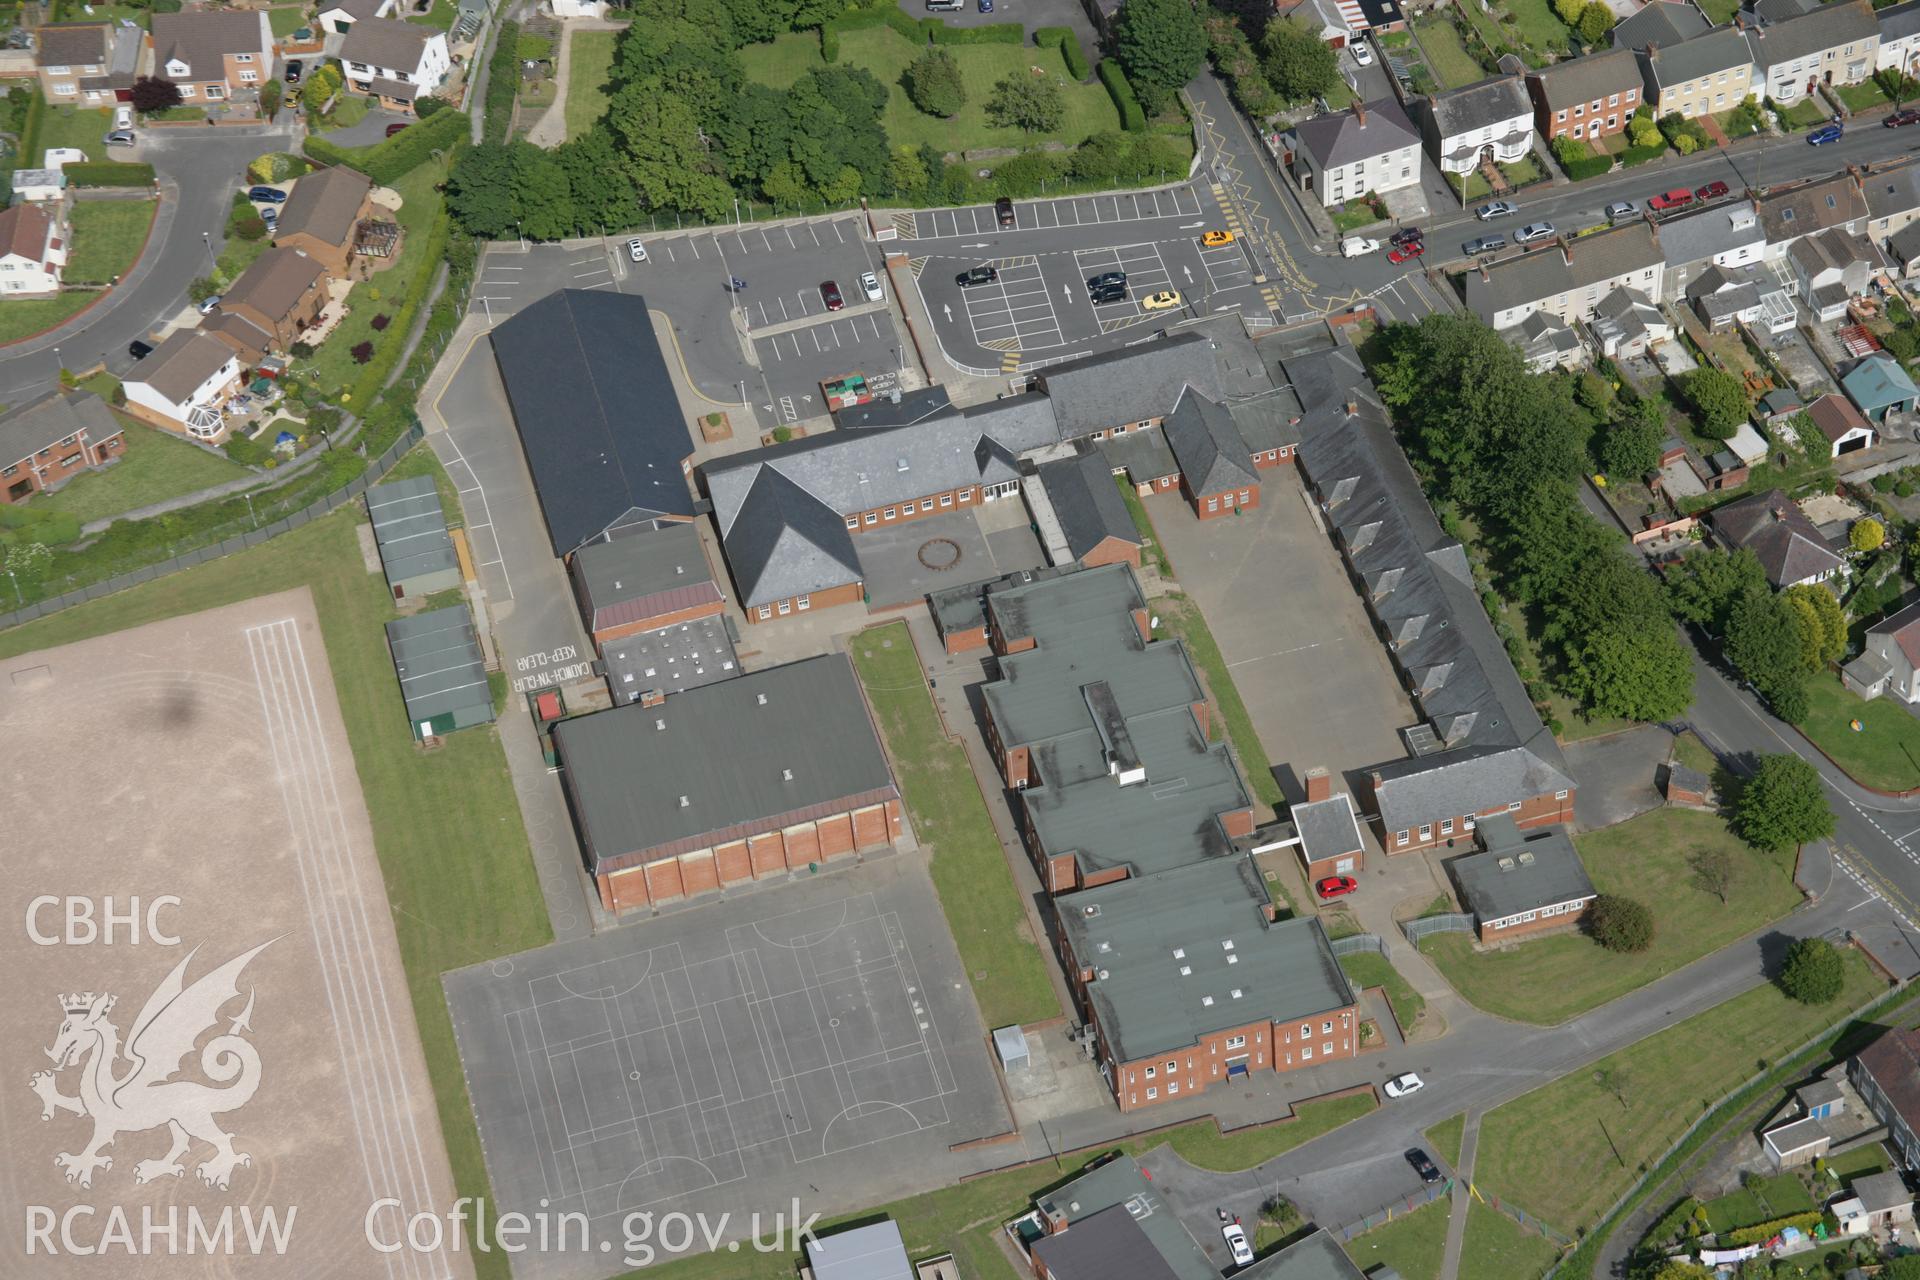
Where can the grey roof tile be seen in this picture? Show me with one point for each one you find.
(1559, 268)
(1662, 22)
(1207, 445)
(1131, 384)
(1343, 137)
(1828, 26)
(44, 422)
(1774, 528)
(1481, 106)
(1089, 506)
(1722, 49)
(386, 42)
(1584, 79)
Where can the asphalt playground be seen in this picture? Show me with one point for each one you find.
(812, 1041)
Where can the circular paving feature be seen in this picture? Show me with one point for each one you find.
(939, 554)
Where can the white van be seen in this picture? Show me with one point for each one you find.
(1355, 246)
(945, 6)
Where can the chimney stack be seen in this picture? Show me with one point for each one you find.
(1319, 784)
(1270, 912)
(1360, 112)
(1566, 250)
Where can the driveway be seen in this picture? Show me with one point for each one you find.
(1031, 14)
(371, 130)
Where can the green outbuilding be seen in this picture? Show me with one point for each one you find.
(443, 676)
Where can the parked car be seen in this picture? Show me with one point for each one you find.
(1494, 209)
(636, 251)
(292, 74)
(1214, 239)
(976, 275)
(207, 304)
(270, 215)
(123, 117)
(1402, 1085)
(396, 127)
(1621, 210)
(1165, 300)
(1900, 119)
(1533, 231)
(986, 6)
(1362, 55)
(1407, 252)
(119, 138)
(830, 294)
(1422, 1165)
(139, 350)
(1107, 293)
(1236, 1237)
(1106, 278)
(1485, 244)
(266, 195)
(870, 286)
(1358, 246)
(1678, 198)
(1003, 207)
(1824, 134)
(1406, 235)
(1336, 886)
(1712, 191)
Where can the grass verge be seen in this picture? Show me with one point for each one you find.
(1368, 969)
(589, 68)
(1182, 617)
(155, 467)
(24, 317)
(1498, 1248)
(1003, 962)
(1652, 858)
(1413, 1244)
(107, 235)
(1446, 1136)
(1143, 523)
(1884, 754)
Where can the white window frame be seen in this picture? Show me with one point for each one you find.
(785, 607)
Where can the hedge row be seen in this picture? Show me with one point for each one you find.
(387, 162)
(1580, 168)
(30, 130)
(1132, 118)
(1069, 45)
(1640, 155)
(109, 173)
(991, 33)
(1768, 1230)
(374, 375)
(503, 81)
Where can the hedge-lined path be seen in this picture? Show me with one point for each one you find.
(550, 130)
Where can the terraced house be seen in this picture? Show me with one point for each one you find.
(1569, 278)
(1798, 45)
(1705, 74)
(1586, 98)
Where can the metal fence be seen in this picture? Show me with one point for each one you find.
(1354, 943)
(1400, 1208)
(1449, 922)
(252, 538)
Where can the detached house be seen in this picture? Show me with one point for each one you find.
(1834, 44)
(91, 63)
(1787, 544)
(33, 250)
(1568, 278)
(213, 54)
(1371, 147)
(394, 61)
(322, 216)
(45, 442)
(1588, 97)
(1890, 662)
(1702, 75)
(184, 384)
(338, 16)
(278, 298)
(1489, 121)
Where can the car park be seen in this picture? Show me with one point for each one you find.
(208, 303)
(266, 195)
(636, 251)
(1358, 246)
(1678, 198)
(870, 286)
(1003, 211)
(1407, 252)
(1336, 886)
(1214, 239)
(292, 73)
(1900, 119)
(1362, 55)
(1494, 209)
(1485, 244)
(1406, 235)
(1712, 191)
(1165, 300)
(1423, 1165)
(1533, 231)
(1824, 134)
(119, 138)
(139, 350)
(976, 275)
(830, 294)
(1402, 1085)
(1236, 1237)
(1621, 210)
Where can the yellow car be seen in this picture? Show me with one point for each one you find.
(1165, 300)
(1214, 239)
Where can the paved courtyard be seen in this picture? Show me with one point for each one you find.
(1314, 676)
(904, 562)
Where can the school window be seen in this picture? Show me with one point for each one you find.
(946, 499)
(1306, 1052)
(1236, 1042)
(966, 495)
(1446, 827)
(1559, 795)
(872, 518)
(853, 522)
(1400, 838)
(1213, 504)
(1467, 822)
(1246, 495)
(1151, 1071)
(1426, 831)
(1152, 1094)
(1227, 499)
(888, 513)
(786, 607)
(766, 611)
(1513, 806)
(803, 603)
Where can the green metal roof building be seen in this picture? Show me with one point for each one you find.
(410, 529)
(443, 676)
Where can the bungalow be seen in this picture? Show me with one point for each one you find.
(47, 441)
(1489, 121)
(1899, 38)
(213, 54)
(1703, 75)
(1590, 97)
(1886, 1075)
(1568, 278)
(394, 61)
(322, 216)
(1372, 147)
(1788, 545)
(1889, 662)
(1834, 44)
(33, 250)
(1878, 386)
(1520, 886)
(1832, 268)
(1322, 17)
(183, 385)
(1841, 424)
(281, 295)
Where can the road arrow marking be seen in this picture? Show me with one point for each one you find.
(947, 309)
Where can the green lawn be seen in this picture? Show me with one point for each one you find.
(983, 907)
(1804, 114)
(1446, 1137)
(1367, 969)
(589, 66)
(1537, 23)
(284, 22)
(1551, 979)
(1522, 171)
(1150, 541)
(441, 15)
(1448, 57)
(1719, 11)
(236, 255)
(75, 127)
(349, 109)
(1777, 1197)
(1885, 753)
(1413, 1244)
(1859, 1162)
(1861, 97)
(886, 53)
(1693, 753)
(1498, 1248)
(24, 317)
(155, 466)
(107, 236)
(1553, 1150)
(1356, 215)
(1470, 185)
(452, 849)
(1182, 617)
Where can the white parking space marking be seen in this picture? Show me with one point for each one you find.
(1015, 312)
(1226, 267)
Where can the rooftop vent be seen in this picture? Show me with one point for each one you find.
(1233, 959)
(684, 802)
(1186, 971)
(786, 775)
(1506, 864)
(1179, 953)
(1102, 975)
(1526, 859)
(616, 584)
(659, 726)
(900, 465)
(1227, 945)
(1235, 993)
(1091, 910)
(1103, 946)
(760, 698)
(1206, 1000)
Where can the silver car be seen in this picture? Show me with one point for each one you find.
(1533, 231)
(1494, 209)
(1622, 210)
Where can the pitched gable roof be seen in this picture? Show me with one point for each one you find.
(1358, 133)
(1835, 415)
(324, 205)
(177, 367)
(1207, 445)
(203, 37)
(1661, 23)
(1803, 208)
(1770, 525)
(386, 42)
(785, 542)
(25, 231)
(1089, 506)
(1826, 26)
(1894, 1063)
(55, 416)
(275, 282)
(1481, 106)
(1904, 628)
(1131, 384)
(1561, 268)
(1722, 49)
(1585, 79)
(71, 44)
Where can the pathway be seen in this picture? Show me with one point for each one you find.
(1462, 1197)
(550, 130)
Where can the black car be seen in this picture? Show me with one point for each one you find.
(292, 74)
(1108, 293)
(1406, 235)
(976, 275)
(139, 350)
(1003, 210)
(1422, 1165)
(1106, 279)
(1485, 244)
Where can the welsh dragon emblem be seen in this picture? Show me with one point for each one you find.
(145, 1095)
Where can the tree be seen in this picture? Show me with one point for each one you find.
(1712, 872)
(1719, 400)
(1867, 534)
(1299, 65)
(480, 190)
(1616, 1080)
(1620, 924)
(1681, 1269)
(1904, 1267)
(28, 563)
(1897, 84)
(154, 93)
(1161, 45)
(1568, 11)
(602, 193)
(1783, 805)
(1630, 447)
(934, 83)
(1595, 21)
(1812, 972)
(659, 138)
(270, 99)
(542, 200)
(1763, 644)
(202, 288)
(1631, 669)
(1821, 622)
(1026, 101)
(1705, 585)
(429, 106)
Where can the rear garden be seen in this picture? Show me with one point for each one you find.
(155, 466)
(1446, 53)
(1883, 752)
(107, 238)
(589, 68)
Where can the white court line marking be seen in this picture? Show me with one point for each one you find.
(499, 551)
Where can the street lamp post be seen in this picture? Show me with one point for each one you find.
(206, 238)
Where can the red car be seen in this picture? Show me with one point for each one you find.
(395, 128)
(1407, 252)
(1678, 198)
(830, 294)
(1712, 191)
(1336, 886)
(1901, 118)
